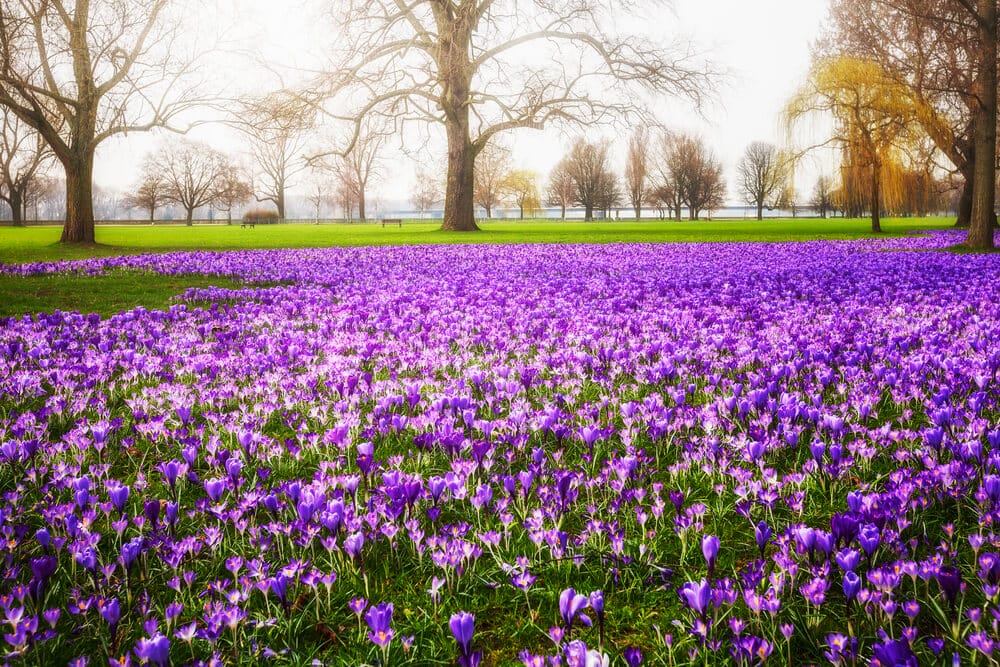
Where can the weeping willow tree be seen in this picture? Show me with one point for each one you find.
(878, 125)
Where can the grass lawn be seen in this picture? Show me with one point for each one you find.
(34, 244)
(104, 295)
(110, 294)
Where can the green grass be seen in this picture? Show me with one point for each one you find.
(104, 295)
(33, 244)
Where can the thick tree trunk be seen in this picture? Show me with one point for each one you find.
(79, 225)
(279, 202)
(965, 202)
(189, 221)
(985, 134)
(16, 207)
(876, 202)
(152, 213)
(588, 213)
(459, 207)
(760, 210)
(563, 212)
(361, 206)
(638, 213)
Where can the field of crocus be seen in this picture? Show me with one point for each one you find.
(556, 455)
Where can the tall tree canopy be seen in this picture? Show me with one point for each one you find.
(481, 67)
(82, 71)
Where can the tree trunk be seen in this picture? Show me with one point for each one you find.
(190, 217)
(522, 212)
(983, 216)
(588, 213)
(638, 213)
(152, 213)
(563, 212)
(876, 203)
(965, 202)
(760, 210)
(279, 202)
(16, 207)
(361, 206)
(459, 208)
(79, 225)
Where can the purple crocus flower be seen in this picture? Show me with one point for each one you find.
(852, 584)
(869, 538)
(710, 549)
(118, 493)
(571, 604)
(633, 656)
(762, 533)
(463, 626)
(214, 488)
(697, 595)
(111, 612)
(155, 650)
(379, 620)
(950, 580)
(894, 653)
(42, 570)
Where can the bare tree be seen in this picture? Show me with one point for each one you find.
(463, 64)
(667, 172)
(150, 193)
(426, 192)
(278, 130)
(360, 165)
(47, 197)
(346, 190)
(588, 165)
(822, 197)
(492, 168)
(23, 155)
(699, 176)
(234, 188)
(192, 173)
(318, 193)
(637, 168)
(84, 71)
(611, 194)
(562, 190)
(762, 174)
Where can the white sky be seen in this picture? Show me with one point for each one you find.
(763, 44)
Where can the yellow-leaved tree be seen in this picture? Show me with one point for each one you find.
(878, 124)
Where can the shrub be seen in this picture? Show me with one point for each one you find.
(261, 216)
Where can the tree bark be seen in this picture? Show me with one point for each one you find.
(760, 210)
(152, 213)
(16, 207)
(189, 221)
(876, 201)
(361, 206)
(79, 227)
(588, 213)
(638, 213)
(563, 212)
(458, 197)
(965, 202)
(983, 216)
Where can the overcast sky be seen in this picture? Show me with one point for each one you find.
(764, 45)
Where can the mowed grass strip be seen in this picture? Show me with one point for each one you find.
(35, 244)
(105, 295)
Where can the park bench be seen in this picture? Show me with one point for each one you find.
(392, 221)
(244, 225)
